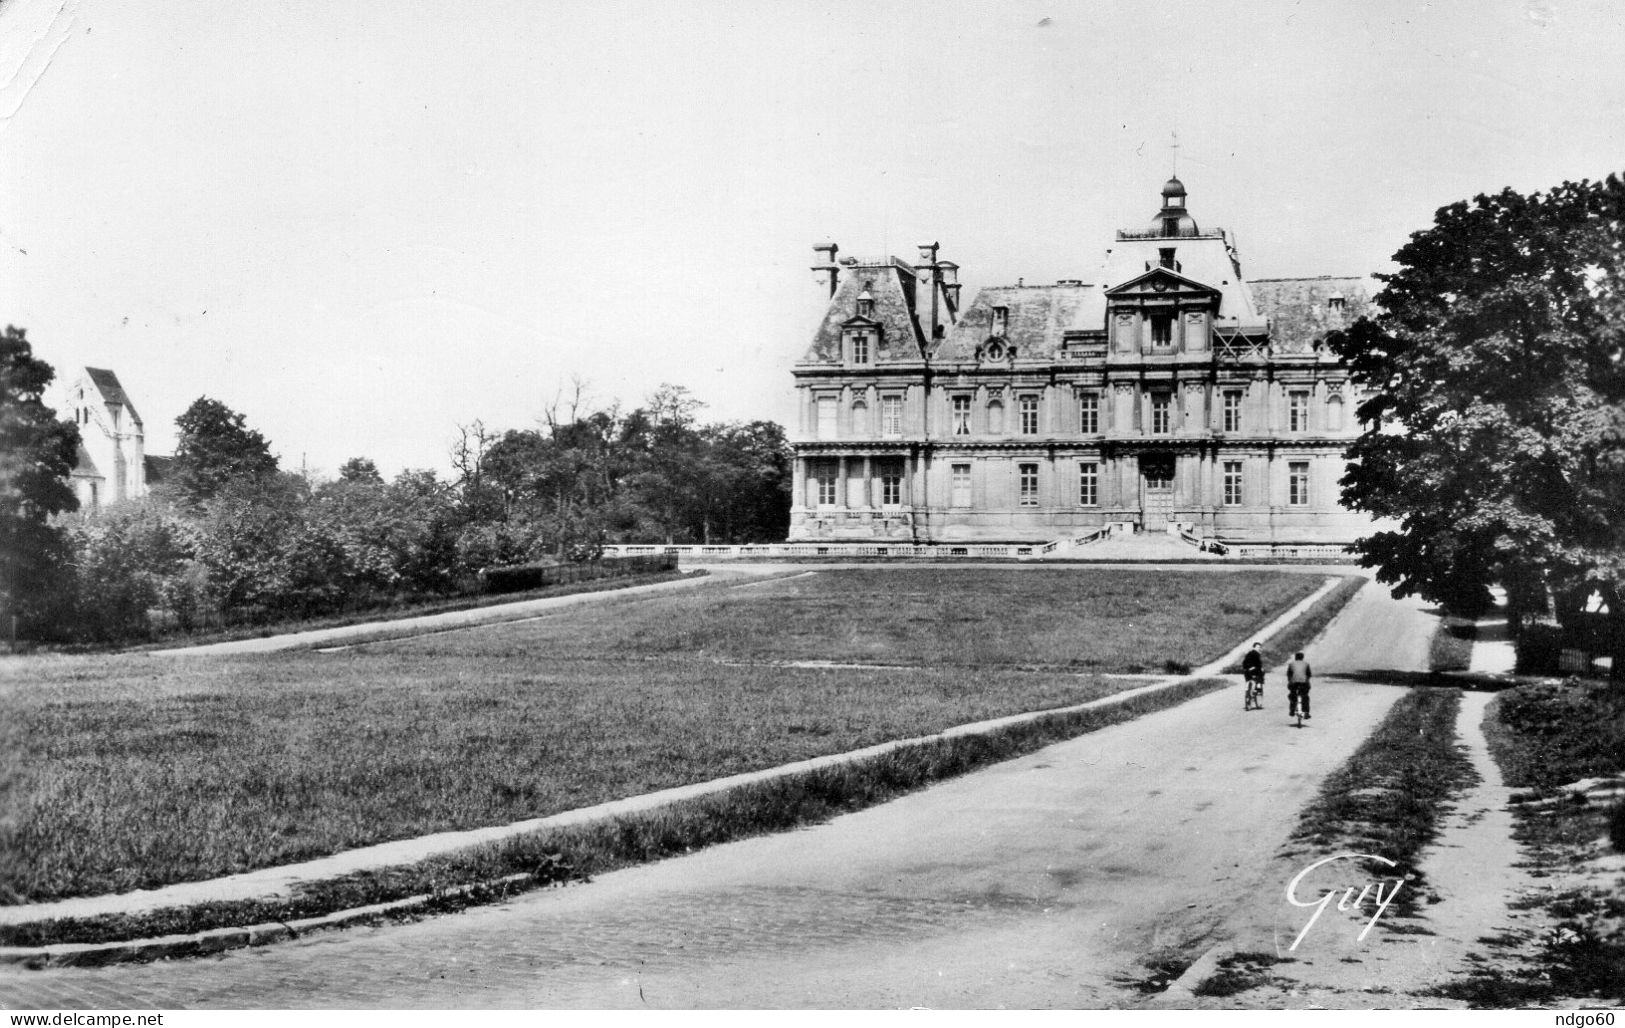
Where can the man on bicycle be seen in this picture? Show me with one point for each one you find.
(1297, 685)
(1253, 668)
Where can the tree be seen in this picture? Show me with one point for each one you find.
(130, 560)
(216, 447)
(671, 473)
(360, 469)
(37, 454)
(1496, 418)
(752, 481)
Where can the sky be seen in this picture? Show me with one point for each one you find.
(363, 224)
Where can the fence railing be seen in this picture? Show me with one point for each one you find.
(831, 549)
(1291, 551)
(1058, 548)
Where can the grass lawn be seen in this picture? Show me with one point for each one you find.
(121, 772)
(1115, 620)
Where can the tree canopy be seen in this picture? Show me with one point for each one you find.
(229, 539)
(216, 447)
(1495, 424)
(37, 454)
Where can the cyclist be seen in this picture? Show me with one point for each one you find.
(1297, 685)
(1252, 672)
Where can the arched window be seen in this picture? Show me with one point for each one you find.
(860, 418)
(1334, 414)
(995, 418)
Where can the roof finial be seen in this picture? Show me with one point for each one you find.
(1174, 148)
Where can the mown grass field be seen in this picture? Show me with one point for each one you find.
(121, 772)
(1125, 621)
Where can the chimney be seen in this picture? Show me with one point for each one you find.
(826, 272)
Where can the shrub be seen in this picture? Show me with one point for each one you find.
(1539, 648)
(1616, 828)
(536, 576)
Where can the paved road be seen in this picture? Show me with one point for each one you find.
(1040, 882)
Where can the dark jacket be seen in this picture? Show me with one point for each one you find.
(1253, 661)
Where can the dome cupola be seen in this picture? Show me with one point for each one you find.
(1173, 220)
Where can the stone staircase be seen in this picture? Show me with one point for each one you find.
(1139, 546)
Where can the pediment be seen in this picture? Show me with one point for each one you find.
(857, 321)
(1161, 282)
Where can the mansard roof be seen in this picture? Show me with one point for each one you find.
(1039, 318)
(892, 285)
(1301, 310)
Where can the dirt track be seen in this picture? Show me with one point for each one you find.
(1044, 881)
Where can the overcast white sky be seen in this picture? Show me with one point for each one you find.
(361, 224)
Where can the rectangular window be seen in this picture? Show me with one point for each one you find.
(1089, 483)
(860, 418)
(826, 417)
(961, 415)
(1232, 410)
(860, 349)
(1029, 415)
(824, 486)
(1232, 483)
(1297, 410)
(891, 488)
(961, 479)
(1029, 485)
(891, 415)
(1162, 332)
(1298, 483)
(1161, 413)
(1089, 413)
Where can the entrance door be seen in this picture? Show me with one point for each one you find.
(1157, 483)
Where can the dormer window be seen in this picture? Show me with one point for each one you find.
(1001, 320)
(860, 348)
(1335, 303)
(866, 301)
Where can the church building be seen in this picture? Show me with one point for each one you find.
(113, 464)
(1170, 391)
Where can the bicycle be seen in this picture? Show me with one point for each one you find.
(1254, 698)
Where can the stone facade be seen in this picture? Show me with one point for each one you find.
(112, 463)
(1169, 391)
